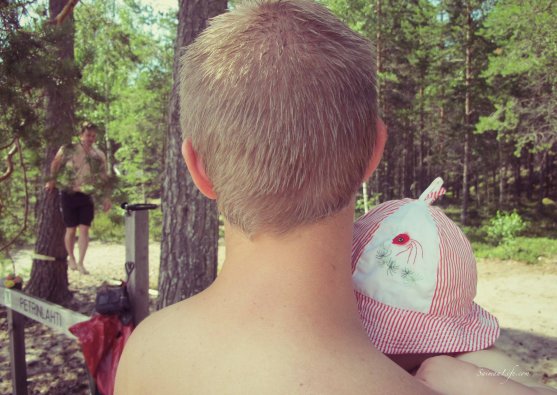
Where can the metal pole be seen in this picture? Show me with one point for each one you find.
(137, 251)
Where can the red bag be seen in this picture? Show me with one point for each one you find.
(102, 340)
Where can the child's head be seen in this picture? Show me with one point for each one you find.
(279, 101)
(414, 274)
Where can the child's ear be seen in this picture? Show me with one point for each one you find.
(379, 147)
(197, 170)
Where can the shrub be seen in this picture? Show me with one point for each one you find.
(155, 224)
(108, 226)
(504, 227)
(524, 249)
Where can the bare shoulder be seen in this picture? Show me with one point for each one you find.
(156, 352)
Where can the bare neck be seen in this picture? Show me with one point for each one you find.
(305, 272)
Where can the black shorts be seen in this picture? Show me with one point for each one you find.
(77, 208)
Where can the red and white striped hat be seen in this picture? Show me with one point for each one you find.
(414, 276)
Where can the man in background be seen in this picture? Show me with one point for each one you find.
(81, 171)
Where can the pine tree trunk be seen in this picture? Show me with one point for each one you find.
(421, 145)
(530, 179)
(517, 179)
(190, 223)
(49, 279)
(467, 119)
(502, 187)
(502, 177)
(545, 175)
(486, 188)
(410, 175)
(403, 166)
(544, 183)
(379, 56)
(384, 170)
(478, 192)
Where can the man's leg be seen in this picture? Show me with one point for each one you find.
(82, 243)
(69, 242)
(86, 214)
(69, 215)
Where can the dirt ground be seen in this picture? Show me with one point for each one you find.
(523, 297)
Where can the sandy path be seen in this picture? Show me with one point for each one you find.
(524, 299)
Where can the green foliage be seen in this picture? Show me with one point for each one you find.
(124, 55)
(108, 226)
(504, 227)
(523, 72)
(360, 206)
(6, 266)
(128, 70)
(525, 249)
(155, 224)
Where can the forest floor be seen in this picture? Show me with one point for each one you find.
(521, 296)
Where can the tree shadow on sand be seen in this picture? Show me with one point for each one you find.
(533, 352)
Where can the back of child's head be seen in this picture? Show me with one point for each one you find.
(415, 278)
(279, 100)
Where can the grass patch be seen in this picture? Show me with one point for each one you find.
(525, 249)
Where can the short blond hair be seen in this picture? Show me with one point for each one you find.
(279, 100)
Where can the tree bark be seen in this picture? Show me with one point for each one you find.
(421, 144)
(502, 177)
(378, 55)
(190, 223)
(467, 119)
(384, 183)
(547, 163)
(49, 279)
(486, 187)
(478, 192)
(530, 180)
(516, 164)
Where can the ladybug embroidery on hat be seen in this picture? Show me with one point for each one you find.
(393, 265)
(401, 239)
(412, 247)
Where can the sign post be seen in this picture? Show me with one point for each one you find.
(18, 366)
(21, 305)
(137, 258)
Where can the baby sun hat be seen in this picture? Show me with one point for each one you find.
(414, 277)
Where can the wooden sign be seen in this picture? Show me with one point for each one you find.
(52, 315)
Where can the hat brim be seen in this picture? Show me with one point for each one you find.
(397, 331)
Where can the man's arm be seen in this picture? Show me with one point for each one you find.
(54, 168)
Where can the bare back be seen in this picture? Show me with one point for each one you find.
(187, 349)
